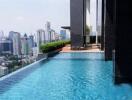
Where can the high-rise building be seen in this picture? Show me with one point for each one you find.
(52, 35)
(48, 31)
(16, 40)
(31, 44)
(5, 46)
(31, 41)
(63, 34)
(25, 45)
(40, 38)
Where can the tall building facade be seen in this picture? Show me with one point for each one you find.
(63, 34)
(31, 44)
(52, 35)
(48, 31)
(25, 45)
(6, 46)
(31, 41)
(41, 38)
(15, 37)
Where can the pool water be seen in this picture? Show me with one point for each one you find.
(67, 76)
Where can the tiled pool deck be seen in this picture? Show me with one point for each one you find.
(91, 49)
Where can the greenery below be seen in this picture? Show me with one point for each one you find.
(45, 48)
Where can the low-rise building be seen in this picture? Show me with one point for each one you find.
(6, 46)
(3, 70)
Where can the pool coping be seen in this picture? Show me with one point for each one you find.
(82, 51)
(19, 70)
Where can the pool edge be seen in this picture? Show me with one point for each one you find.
(19, 70)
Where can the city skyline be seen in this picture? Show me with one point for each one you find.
(2, 33)
(27, 16)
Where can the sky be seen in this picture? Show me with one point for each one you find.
(93, 14)
(26, 16)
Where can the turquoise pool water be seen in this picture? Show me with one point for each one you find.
(67, 76)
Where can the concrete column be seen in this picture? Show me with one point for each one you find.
(123, 41)
(102, 27)
(109, 28)
(78, 22)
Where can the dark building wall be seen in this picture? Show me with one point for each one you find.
(102, 28)
(93, 39)
(109, 28)
(124, 40)
(78, 20)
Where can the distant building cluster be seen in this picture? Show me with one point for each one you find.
(25, 45)
(16, 45)
(17, 50)
(49, 35)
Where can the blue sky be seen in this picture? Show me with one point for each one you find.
(26, 16)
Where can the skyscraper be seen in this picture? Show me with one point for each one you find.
(31, 44)
(31, 41)
(48, 31)
(25, 45)
(15, 38)
(40, 38)
(52, 35)
(63, 34)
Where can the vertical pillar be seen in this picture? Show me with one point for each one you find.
(123, 41)
(102, 27)
(109, 28)
(78, 21)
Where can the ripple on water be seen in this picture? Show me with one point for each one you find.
(66, 77)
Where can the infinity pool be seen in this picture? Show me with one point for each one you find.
(67, 76)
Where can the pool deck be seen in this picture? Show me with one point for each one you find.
(93, 48)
